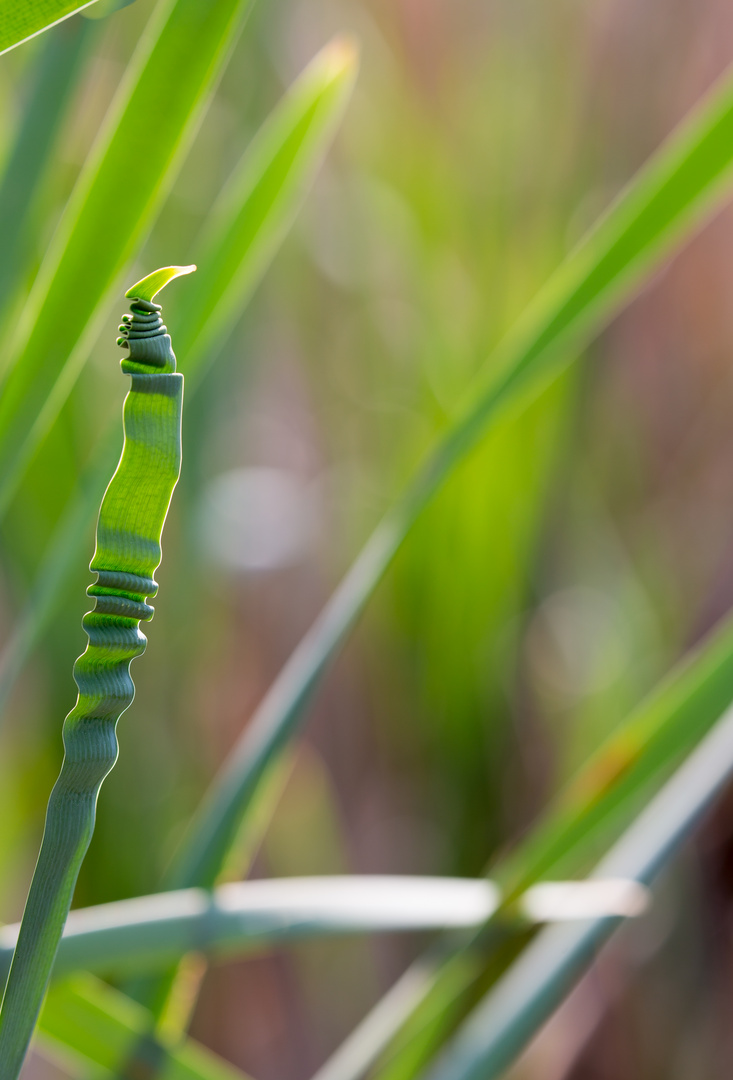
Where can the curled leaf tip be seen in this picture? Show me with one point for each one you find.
(151, 285)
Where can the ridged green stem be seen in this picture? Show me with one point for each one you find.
(127, 554)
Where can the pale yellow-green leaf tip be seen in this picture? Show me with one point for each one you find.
(151, 285)
(340, 56)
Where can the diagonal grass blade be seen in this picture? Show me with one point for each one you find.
(23, 19)
(109, 213)
(679, 187)
(536, 984)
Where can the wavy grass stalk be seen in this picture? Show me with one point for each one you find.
(128, 552)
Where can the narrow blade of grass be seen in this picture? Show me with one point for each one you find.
(602, 797)
(150, 932)
(52, 80)
(258, 203)
(23, 19)
(88, 1023)
(671, 195)
(53, 574)
(157, 109)
(527, 995)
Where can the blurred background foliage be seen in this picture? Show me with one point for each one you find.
(558, 574)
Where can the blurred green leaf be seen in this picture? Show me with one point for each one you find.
(259, 201)
(89, 1024)
(681, 185)
(156, 111)
(527, 995)
(23, 19)
(618, 778)
(258, 205)
(52, 79)
(602, 798)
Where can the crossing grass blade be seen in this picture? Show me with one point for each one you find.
(599, 801)
(23, 19)
(156, 111)
(95, 1029)
(150, 932)
(682, 184)
(527, 995)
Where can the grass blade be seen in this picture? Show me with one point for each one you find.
(53, 78)
(673, 193)
(601, 798)
(534, 987)
(23, 19)
(156, 111)
(664, 727)
(260, 199)
(53, 574)
(150, 932)
(89, 1022)
(127, 554)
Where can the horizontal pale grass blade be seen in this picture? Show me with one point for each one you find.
(21, 20)
(158, 107)
(87, 1023)
(526, 996)
(150, 932)
(263, 195)
(673, 194)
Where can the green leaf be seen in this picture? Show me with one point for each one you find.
(62, 552)
(617, 779)
(679, 187)
(600, 799)
(527, 995)
(127, 554)
(259, 201)
(52, 78)
(23, 19)
(156, 111)
(89, 1023)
